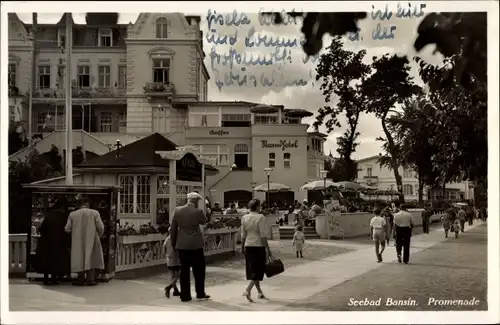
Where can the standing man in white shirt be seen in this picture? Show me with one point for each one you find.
(403, 226)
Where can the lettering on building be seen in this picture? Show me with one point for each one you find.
(282, 144)
(218, 132)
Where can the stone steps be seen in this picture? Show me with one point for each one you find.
(309, 232)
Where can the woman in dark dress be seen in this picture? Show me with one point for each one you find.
(53, 252)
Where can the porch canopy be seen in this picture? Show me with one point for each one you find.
(170, 172)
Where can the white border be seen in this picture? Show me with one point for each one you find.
(491, 316)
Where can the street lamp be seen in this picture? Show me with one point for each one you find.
(323, 174)
(268, 174)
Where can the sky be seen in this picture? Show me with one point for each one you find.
(290, 73)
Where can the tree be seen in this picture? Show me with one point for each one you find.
(78, 156)
(453, 33)
(54, 159)
(391, 84)
(412, 129)
(17, 140)
(338, 169)
(342, 73)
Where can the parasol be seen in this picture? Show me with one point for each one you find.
(273, 187)
(263, 109)
(298, 112)
(318, 185)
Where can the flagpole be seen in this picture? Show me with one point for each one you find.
(69, 118)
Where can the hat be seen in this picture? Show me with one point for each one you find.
(304, 200)
(193, 196)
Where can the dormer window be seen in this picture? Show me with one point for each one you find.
(161, 27)
(61, 38)
(105, 38)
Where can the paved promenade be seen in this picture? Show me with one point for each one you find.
(332, 274)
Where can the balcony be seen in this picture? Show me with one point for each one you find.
(159, 89)
(371, 180)
(86, 95)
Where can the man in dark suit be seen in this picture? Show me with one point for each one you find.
(188, 240)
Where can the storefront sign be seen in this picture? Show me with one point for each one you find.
(283, 144)
(218, 132)
(188, 169)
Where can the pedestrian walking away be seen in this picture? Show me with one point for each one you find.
(254, 246)
(426, 214)
(403, 226)
(456, 228)
(462, 216)
(377, 233)
(187, 238)
(173, 266)
(86, 228)
(298, 241)
(52, 254)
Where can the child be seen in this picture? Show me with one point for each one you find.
(378, 233)
(446, 225)
(298, 241)
(173, 265)
(456, 227)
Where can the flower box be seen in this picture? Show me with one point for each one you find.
(141, 238)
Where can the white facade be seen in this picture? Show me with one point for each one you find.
(129, 81)
(370, 173)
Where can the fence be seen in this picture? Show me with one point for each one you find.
(134, 252)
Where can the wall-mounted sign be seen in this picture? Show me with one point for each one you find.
(218, 132)
(188, 169)
(282, 144)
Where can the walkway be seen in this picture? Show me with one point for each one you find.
(331, 274)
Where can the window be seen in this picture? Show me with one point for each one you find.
(236, 120)
(135, 194)
(61, 71)
(408, 173)
(41, 120)
(104, 76)
(218, 152)
(122, 76)
(122, 122)
(163, 185)
(241, 155)
(83, 76)
(161, 27)
(105, 38)
(265, 118)
(161, 70)
(61, 38)
(286, 160)
(407, 189)
(369, 171)
(106, 121)
(44, 76)
(12, 74)
(204, 116)
(272, 160)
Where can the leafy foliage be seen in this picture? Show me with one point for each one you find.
(16, 139)
(391, 84)
(462, 34)
(341, 72)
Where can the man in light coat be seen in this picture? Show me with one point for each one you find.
(187, 238)
(86, 228)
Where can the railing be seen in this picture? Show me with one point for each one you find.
(17, 253)
(134, 252)
(85, 92)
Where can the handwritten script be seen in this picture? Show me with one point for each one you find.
(386, 28)
(245, 50)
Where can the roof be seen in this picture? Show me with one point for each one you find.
(368, 158)
(70, 188)
(185, 104)
(140, 153)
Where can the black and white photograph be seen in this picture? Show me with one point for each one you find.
(194, 157)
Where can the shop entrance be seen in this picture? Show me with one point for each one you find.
(240, 196)
(283, 199)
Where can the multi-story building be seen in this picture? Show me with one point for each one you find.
(131, 80)
(371, 173)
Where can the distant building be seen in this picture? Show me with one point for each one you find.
(370, 173)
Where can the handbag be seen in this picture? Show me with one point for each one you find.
(273, 267)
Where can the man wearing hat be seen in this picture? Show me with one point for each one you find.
(187, 239)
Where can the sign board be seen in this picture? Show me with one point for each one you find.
(188, 169)
(281, 144)
(218, 132)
